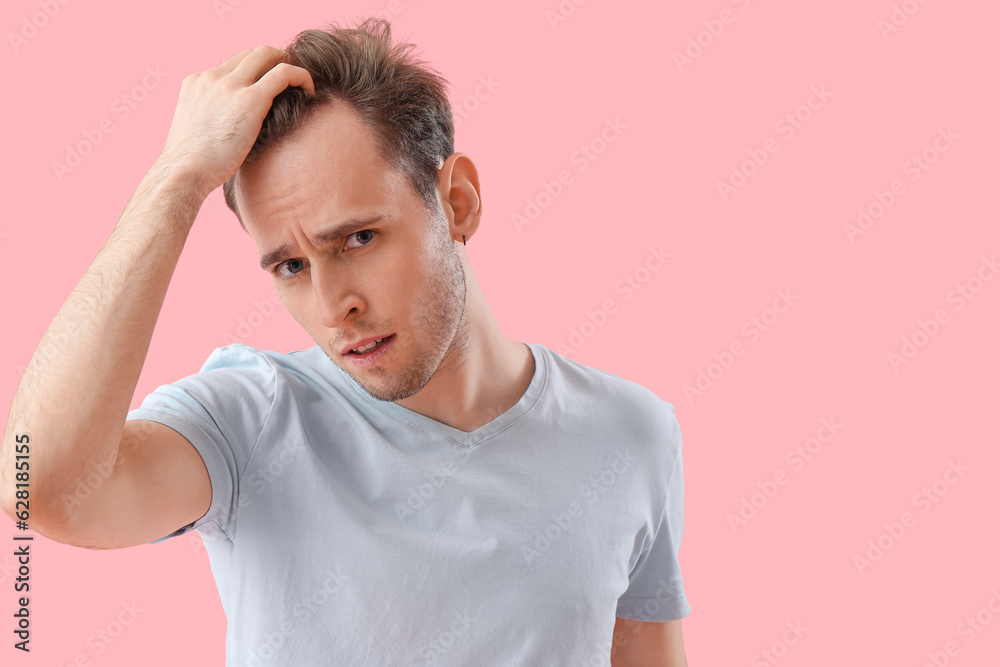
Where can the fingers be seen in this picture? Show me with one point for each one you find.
(248, 67)
(259, 61)
(230, 63)
(251, 65)
(283, 75)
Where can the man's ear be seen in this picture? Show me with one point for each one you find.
(458, 187)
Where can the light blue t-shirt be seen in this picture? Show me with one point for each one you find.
(346, 530)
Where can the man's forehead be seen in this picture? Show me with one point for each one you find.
(312, 178)
(309, 200)
(333, 141)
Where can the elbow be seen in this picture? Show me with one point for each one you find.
(30, 506)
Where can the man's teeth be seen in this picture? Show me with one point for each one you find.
(367, 347)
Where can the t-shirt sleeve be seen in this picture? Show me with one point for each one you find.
(656, 590)
(221, 410)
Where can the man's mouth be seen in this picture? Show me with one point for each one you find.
(370, 347)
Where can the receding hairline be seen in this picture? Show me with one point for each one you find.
(309, 113)
(435, 213)
(399, 96)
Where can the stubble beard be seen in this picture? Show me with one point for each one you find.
(441, 340)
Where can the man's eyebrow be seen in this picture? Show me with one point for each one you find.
(324, 236)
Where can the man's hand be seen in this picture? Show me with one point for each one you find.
(100, 337)
(220, 112)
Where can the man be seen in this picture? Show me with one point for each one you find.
(415, 488)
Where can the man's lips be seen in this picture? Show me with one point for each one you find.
(363, 341)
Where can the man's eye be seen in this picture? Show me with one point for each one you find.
(364, 231)
(288, 263)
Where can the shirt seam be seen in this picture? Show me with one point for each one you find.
(663, 513)
(253, 449)
(203, 436)
(670, 599)
(541, 391)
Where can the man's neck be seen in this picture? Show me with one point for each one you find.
(488, 380)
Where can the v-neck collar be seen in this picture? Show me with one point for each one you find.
(464, 439)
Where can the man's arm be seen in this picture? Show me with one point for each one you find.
(642, 644)
(144, 479)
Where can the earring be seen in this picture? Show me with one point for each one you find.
(463, 239)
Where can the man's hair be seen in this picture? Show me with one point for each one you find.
(401, 100)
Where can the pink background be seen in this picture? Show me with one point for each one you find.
(827, 356)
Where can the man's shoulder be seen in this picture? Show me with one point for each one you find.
(581, 377)
(281, 371)
(241, 355)
(633, 416)
(610, 394)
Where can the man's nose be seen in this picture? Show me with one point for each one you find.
(335, 296)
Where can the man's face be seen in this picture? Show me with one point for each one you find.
(398, 276)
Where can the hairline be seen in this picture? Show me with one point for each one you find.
(308, 112)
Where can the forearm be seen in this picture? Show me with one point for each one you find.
(75, 393)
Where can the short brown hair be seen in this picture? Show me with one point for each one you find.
(398, 97)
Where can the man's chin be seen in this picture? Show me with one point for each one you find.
(383, 391)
